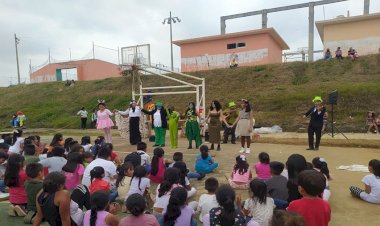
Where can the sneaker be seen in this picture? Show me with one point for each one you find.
(247, 150)
(19, 211)
(202, 175)
(242, 150)
(11, 211)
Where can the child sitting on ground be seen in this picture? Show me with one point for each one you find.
(241, 174)
(139, 184)
(98, 215)
(259, 206)
(88, 157)
(277, 185)
(315, 211)
(262, 168)
(178, 157)
(136, 205)
(320, 165)
(86, 143)
(15, 178)
(145, 158)
(371, 192)
(284, 218)
(205, 163)
(56, 162)
(97, 182)
(208, 201)
(33, 185)
(73, 170)
(183, 180)
(30, 154)
(123, 181)
(158, 165)
(3, 167)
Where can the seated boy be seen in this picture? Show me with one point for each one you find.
(33, 185)
(145, 158)
(88, 157)
(315, 211)
(178, 157)
(30, 151)
(208, 201)
(3, 162)
(277, 185)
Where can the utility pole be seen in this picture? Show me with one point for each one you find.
(170, 20)
(49, 56)
(93, 50)
(70, 53)
(17, 41)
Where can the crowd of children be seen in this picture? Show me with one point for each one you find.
(68, 183)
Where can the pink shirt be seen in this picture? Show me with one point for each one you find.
(73, 179)
(100, 218)
(242, 178)
(17, 195)
(142, 220)
(263, 171)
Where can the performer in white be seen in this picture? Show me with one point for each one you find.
(134, 114)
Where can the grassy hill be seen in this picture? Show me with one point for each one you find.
(279, 93)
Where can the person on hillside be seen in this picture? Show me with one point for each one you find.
(244, 128)
(83, 117)
(134, 114)
(230, 115)
(328, 55)
(316, 113)
(104, 121)
(21, 119)
(215, 119)
(353, 54)
(338, 54)
(14, 122)
(192, 126)
(94, 118)
(173, 126)
(371, 122)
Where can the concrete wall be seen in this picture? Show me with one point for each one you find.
(363, 36)
(204, 55)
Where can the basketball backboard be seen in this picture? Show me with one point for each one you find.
(136, 55)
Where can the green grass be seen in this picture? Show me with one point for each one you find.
(280, 93)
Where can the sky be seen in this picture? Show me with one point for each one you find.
(70, 26)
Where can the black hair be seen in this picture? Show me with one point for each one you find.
(296, 163)
(28, 141)
(171, 177)
(103, 104)
(178, 156)
(74, 159)
(3, 155)
(192, 109)
(157, 154)
(285, 218)
(312, 182)
(100, 139)
(204, 151)
(211, 184)
(11, 175)
(121, 172)
(136, 204)
(56, 139)
(225, 195)
(96, 173)
(87, 154)
(53, 181)
(141, 146)
(85, 140)
(177, 199)
(33, 169)
(181, 166)
(29, 149)
(8, 140)
(99, 201)
(68, 143)
(375, 164)
(309, 166)
(276, 167)
(38, 138)
(104, 152)
(217, 104)
(258, 189)
(76, 148)
(16, 133)
(139, 172)
(248, 106)
(322, 166)
(58, 151)
(33, 138)
(241, 165)
(264, 158)
(82, 108)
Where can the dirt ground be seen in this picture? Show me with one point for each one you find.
(346, 210)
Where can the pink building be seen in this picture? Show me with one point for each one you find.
(91, 69)
(262, 46)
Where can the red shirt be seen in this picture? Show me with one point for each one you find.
(17, 195)
(99, 185)
(315, 211)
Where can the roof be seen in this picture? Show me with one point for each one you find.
(271, 31)
(340, 20)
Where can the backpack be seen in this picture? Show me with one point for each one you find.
(134, 158)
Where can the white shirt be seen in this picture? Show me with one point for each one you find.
(109, 170)
(16, 148)
(130, 112)
(134, 188)
(54, 164)
(261, 213)
(163, 201)
(87, 147)
(206, 203)
(157, 119)
(374, 182)
(82, 113)
(145, 158)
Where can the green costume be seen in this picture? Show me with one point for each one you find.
(173, 128)
(192, 129)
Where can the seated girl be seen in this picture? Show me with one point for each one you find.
(205, 163)
(139, 183)
(241, 174)
(183, 180)
(101, 213)
(136, 205)
(158, 166)
(320, 165)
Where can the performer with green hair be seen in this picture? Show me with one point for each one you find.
(159, 123)
(192, 126)
(173, 126)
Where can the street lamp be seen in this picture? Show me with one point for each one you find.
(17, 41)
(169, 21)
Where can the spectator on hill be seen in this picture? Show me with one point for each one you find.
(338, 54)
(352, 54)
(371, 122)
(328, 55)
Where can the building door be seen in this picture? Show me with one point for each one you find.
(58, 75)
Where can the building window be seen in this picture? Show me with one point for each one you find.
(231, 46)
(241, 45)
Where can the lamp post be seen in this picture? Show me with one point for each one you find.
(17, 41)
(170, 20)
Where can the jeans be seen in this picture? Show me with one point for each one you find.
(280, 204)
(193, 175)
(2, 186)
(113, 195)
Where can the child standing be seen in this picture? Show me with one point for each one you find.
(371, 192)
(136, 205)
(97, 182)
(104, 121)
(244, 126)
(204, 163)
(158, 166)
(259, 206)
(241, 174)
(73, 170)
(315, 211)
(277, 185)
(262, 168)
(15, 178)
(139, 183)
(208, 201)
(98, 215)
(33, 185)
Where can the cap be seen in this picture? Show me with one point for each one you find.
(231, 104)
(159, 104)
(317, 98)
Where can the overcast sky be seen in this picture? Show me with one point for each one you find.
(72, 24)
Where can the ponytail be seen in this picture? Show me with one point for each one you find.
(121, 173)
(99, 202)
(320, 163)
(171, 177)
(93, 216)
(176, 201)
(325, 170)
(227, 215)
(158, 153)
(96, 173)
